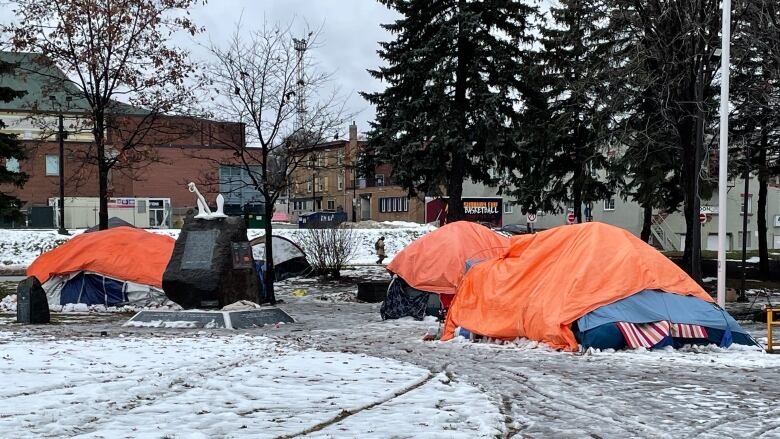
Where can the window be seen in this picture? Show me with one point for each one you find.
(321, 184)
(393, 204)
(508, 207)
(52, 165)
(749, 240)
(749, 207)
(236, 185)
(12, 165)
(341, 182)
(609, 204)
(331, 205)
(322, 160)
(340, 158)
(308, 186)
(319, 204)
(380, 180)
(312, 161)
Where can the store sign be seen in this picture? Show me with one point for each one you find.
(483, 210)
(709, 210)
(121, 203)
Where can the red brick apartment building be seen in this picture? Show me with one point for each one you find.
(177, 150)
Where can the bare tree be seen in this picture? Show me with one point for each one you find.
(266, 79)
(329, 248)
(110, 50)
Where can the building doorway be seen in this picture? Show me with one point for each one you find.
(365, 207)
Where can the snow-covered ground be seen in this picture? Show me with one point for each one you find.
(339, 372)
(19, 248)
(239, 386)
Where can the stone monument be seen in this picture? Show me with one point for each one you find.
(32, 306)
(212, 264)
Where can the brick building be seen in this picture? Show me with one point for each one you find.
(170, 152)
(328, 180)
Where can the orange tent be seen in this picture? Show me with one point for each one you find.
(435, 262)
(546, 281)
(122, 253)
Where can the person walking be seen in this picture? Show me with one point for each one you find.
(380, 249)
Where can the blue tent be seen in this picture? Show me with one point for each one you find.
(598, 328)
(93, 289)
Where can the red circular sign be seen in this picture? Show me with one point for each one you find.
(702, 218)
(570, 218)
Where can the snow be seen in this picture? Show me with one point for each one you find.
(19, 248)
(241, 386)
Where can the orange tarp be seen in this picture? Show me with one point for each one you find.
(546, 281)
(436, 261)
(122, 253)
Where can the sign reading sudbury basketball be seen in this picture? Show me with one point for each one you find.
(483, 210)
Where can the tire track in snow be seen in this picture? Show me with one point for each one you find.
(638, 428)
(347, 413)
(167, 389)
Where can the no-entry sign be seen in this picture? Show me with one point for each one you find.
(570, 218)
(702, 218)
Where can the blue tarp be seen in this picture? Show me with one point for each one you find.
(653, 306)
(93, 289)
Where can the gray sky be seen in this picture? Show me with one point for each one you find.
(348, 42)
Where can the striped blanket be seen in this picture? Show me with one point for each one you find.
(648, 335)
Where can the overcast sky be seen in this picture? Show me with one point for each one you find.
(348, 42)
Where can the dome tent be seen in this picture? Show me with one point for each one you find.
(544, 284)
(428, 271)
(112, 267)
(289, 259)
(113, 223)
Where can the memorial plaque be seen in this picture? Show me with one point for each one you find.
(258, 317)
(253, 318)
(242, 255)
(178, 319)
(199, 249)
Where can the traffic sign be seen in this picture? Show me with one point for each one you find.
(571, 218)
(702, 218)
(531, 217)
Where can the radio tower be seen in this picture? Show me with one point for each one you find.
(300, 49)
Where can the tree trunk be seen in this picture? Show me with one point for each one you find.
(691, 166)
(103, 169)
(647, 218)
(455, 211)
(270, 274)
(763, 183)
(577, 194)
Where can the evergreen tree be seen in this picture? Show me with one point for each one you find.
(647, 152)
(450, 102)
(673, 57)
(755, 121)
(565, 122)
(10, 148)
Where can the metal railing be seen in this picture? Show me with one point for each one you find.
(664, 234)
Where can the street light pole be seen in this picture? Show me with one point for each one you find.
(62, 230)
(723, 153)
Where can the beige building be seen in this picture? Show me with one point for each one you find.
(327, 180)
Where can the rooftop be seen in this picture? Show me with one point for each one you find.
(38, 75)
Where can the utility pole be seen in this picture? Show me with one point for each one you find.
(62, 230)
(723, 153)
(61, 134)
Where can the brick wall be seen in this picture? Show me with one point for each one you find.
(176, 160)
